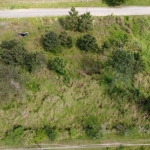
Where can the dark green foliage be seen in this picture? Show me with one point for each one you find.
(127, 63)
(123, 62)
(145, 103)
(75, 22)
(13, 53)
(58, 65)
(114, 2)
(139, 62)
(34, 60)
(51, 42)
(65, 39)
(51, 133)
(71, 21)
(9, 44)
(88, 43)
(92, 127)
(85, 22)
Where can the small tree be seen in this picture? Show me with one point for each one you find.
(88, 43)
(51, 42)
(58, 65)
(71, 21)
(85, 22)
(65, 39)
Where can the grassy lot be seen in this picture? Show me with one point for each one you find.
(11, 4)
(67, 108)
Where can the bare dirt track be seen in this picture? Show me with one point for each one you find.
(73, 147)
(22, 13)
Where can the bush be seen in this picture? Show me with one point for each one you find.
(123, 62)
(51, 42)
(51, 133)
(114, 2)
(15, 136)
(92, 127)
(9, 44)
(88, 43)
(34, 60)
(127, 63)
(13, 53)
(58, 65)
(85, 22)
(65, 39)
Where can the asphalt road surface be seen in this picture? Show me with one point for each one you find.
(22, 13)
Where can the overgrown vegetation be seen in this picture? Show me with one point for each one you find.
(96, 87)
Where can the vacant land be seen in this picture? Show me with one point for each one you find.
(87, 100)
(11, 4)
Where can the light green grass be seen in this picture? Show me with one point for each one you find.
(10, 4)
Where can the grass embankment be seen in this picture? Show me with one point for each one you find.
(89, 105)
(10, 4)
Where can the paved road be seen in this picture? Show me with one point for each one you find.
(21, 13)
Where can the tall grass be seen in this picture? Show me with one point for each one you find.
(68, 108)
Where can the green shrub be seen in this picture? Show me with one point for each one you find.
(114, 2)
(123, 62)
(51, 42)
(51, 133)
(92, 127)
(58, 65)
(71, 21)
(33, 86)
(40, 135)
(34, 60)
(13, 53)
(126, 63)
(65, 39)
(88, 43)
(9, 44)
(85, 22)
(15, 136)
